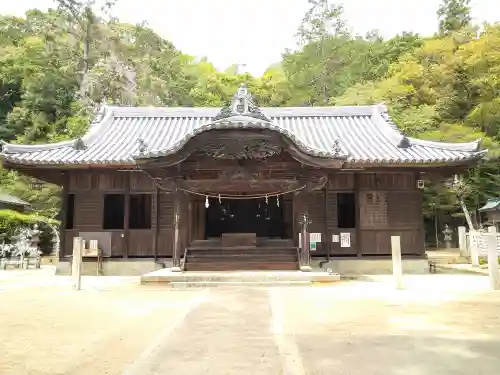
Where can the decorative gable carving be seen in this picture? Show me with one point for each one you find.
(241, 105)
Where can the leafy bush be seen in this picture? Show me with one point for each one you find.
(485, 261)
(11, 221)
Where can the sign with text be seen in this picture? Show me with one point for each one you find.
(314, 237)
(335, 238)
(345, 239)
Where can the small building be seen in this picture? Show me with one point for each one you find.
(11, 202)
(242, 186)
(492, 212)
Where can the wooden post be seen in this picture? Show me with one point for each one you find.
(358, 216)
(176, 253)
(462, 240)
(126, 229)
(76, 265)
(64, 208)
(397, 264)
(157, 221)
(305, 261)
(493, 270)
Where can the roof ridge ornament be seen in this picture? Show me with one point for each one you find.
(143, 146)
(79, 144)
(337, 150)
(100, 112)
(241, 105)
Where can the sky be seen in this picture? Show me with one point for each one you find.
(256, 32)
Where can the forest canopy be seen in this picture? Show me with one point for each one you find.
(56, 66)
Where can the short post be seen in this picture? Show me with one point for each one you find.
(76, 266)
(493, 270)
(397, 264)
(462, 245)
(474, 247)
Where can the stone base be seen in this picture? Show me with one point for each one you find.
(113, 267)
(268, 278)
(360, 266)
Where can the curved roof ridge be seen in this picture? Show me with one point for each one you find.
(148, 111)
(473, 146)
(241, 122)
(380, 117)
(104, 115)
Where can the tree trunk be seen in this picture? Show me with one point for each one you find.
(86, 56)
(467, 215)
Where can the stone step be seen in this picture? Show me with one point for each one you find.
(242, 250)
(234, 284)
(166, 276)
(240, 256)
(241, 266)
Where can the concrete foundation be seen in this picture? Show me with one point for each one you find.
(346, 267)
(113, 267)
(343, 267)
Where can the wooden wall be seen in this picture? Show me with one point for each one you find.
(89, 188)
(387, 204)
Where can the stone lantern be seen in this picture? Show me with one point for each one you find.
(447, 232)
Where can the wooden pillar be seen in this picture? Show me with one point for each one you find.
(126, 229)
(326, 238)
(359, 243)
(157, 221)
(64, 209)
(176, 253)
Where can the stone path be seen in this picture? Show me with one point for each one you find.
(228, 333)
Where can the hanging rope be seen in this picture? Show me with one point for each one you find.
(229, 196)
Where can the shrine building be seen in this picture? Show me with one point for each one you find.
(239, 188)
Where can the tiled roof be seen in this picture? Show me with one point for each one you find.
(12, 200)
(364, 134)
(491, 204)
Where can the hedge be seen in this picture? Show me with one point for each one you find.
(11, 220)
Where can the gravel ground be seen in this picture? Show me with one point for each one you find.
(439, 324)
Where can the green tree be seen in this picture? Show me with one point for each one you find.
(453, 15)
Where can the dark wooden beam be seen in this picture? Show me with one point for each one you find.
(64, 209)
(157, 222)
(126, 224)
(358, 217)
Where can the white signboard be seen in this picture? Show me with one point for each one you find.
(335, 238)
(314, 237)
(345, 239)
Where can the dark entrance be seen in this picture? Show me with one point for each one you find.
(245, 216)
